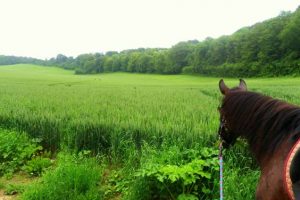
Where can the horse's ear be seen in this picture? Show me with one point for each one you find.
(223, 88)
(243, 85)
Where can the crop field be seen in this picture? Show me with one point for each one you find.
(119, 115)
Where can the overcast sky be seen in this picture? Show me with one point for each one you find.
(44, 28)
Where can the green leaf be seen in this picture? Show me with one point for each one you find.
(187, 197)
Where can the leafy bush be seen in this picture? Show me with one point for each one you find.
(190, 180)
(74, 178)
(15, 150)
(13, 189)
(116, 183)
(37, 166)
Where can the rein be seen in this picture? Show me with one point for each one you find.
(221, 129)
(221, 170)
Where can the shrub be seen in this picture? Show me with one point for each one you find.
(37, 166)
(190, 180)
(13, 189)
(15, 150)
(116, 183)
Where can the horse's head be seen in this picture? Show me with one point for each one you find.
(227, 135)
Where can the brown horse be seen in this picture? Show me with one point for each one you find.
(272, 129)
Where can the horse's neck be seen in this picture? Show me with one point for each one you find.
(277, 157)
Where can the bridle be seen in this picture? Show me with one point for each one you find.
(223, 130)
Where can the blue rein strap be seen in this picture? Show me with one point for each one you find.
(220, 132)
(221, 169)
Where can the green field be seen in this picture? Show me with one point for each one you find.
(47, 101)
(117, 114)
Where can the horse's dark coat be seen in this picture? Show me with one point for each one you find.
(271, 127)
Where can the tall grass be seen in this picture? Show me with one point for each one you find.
(98, 112)
(73, 179)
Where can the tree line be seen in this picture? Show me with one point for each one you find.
(269, 48)
(12, 60)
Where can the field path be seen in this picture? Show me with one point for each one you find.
(6, 197)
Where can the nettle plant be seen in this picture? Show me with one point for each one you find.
(37, 165)
(191, 180)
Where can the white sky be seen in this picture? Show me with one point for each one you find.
(44, 28)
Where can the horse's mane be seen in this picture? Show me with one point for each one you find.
(265, 122)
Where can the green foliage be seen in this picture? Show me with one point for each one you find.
(2, 185)
(188, 70)
(180, 55)
(75, 177)
(37, 165)
(241, 168)
(15, 150)
(187, 197)
(12, 189)
(240, 182)
(11, 60)
(289, 35)
(116, 183)
(189, 180)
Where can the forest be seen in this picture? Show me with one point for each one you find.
(268, 48)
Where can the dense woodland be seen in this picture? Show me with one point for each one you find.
(11, 60)
(269, 48)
